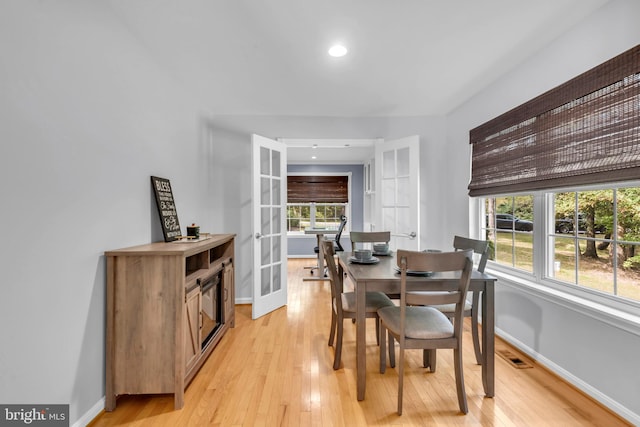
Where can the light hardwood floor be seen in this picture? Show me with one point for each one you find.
(277, 371)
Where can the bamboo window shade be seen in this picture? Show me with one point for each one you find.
(319, 189)
(585, 131)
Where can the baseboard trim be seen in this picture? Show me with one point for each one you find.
(91, 414)
(576, 382)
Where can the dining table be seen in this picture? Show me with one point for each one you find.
(384, 277)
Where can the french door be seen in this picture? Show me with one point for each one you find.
(269, 225)
(398, 191)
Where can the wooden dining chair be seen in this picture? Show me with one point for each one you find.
(480, 247)
(344, 304)
(371, 237)
(422, 326)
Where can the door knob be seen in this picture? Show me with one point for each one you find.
(411, 235)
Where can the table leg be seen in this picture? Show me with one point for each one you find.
(320, 257)
(488, 339)
(361, 357)
(319, 262)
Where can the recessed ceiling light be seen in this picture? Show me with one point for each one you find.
(313, 157)
(337, 51)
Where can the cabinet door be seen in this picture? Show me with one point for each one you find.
(229, 295)
(192, 328)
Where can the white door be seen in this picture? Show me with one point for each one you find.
(397, 164)
(269, 225)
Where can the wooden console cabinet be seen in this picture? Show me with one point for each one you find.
(154, 319)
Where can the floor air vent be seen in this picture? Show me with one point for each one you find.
(513, 359)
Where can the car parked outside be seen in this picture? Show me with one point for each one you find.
(565, 225)
(510, 222)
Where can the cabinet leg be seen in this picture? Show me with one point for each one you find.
(110, 402)
(178, 399)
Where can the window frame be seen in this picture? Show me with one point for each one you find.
(541, 280)
(347, 205)
(513, 232)
(312, 219)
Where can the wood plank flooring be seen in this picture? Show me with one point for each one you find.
(277, 371)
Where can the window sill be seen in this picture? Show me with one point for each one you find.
(622, 316)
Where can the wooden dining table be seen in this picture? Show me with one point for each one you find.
(383, 277)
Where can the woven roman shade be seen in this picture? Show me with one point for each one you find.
(585, 131)
(320, 189)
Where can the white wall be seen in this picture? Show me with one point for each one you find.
(85, 118)
(595, 353)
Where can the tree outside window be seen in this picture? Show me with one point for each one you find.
(303, 215)
(596, 240)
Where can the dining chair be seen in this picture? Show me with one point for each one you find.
(337, 246)
(421, 326)
(371, 237)
(480, 247)
(344, 304)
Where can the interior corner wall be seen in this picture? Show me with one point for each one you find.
(591, 353)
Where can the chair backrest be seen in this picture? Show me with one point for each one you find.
(459, 261)
(343, 221)
(480, 247)
(328, 253)
(369, 237)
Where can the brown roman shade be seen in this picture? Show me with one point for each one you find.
(320, 189)
(585, 131)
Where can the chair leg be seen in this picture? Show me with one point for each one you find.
(400, 379)
(338, 350)
(429, 359)
(377, 319)
(392, 351)
(383, 349)
(332, 332)
(474, 327)
(462, 395)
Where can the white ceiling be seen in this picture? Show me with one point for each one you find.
(329, 151)
(406, 57)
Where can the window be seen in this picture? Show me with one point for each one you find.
(509, 229)
(316, 200)
(298, 217)
(595, 240)
(302, 215)
(574, 152)
(592, 237)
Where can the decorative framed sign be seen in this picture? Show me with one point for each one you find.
(166, 208)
